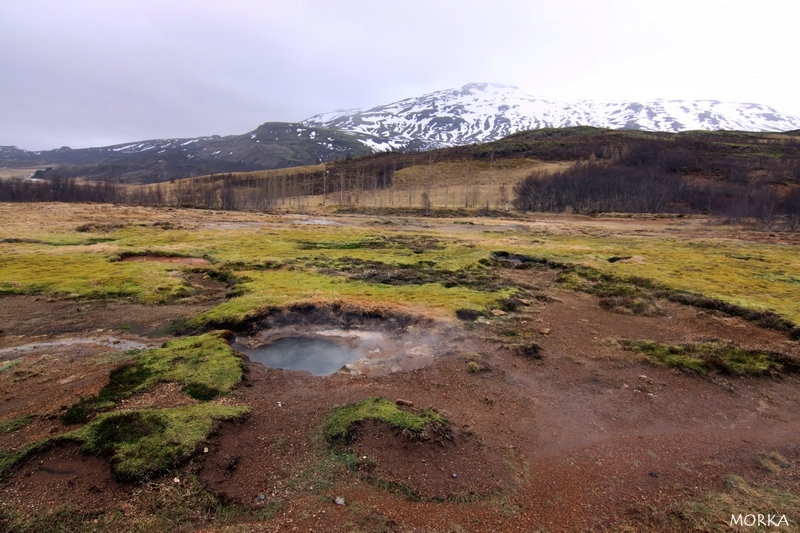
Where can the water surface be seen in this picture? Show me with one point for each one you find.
(321, 357)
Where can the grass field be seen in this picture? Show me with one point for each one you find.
(277, 262)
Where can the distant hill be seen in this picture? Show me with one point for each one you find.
(271, 145)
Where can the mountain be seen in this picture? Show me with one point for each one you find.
(482, 112)
(474, 113)
(271, 145)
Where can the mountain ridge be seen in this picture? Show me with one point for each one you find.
(483, 112)
(271, 145)
(473, 113)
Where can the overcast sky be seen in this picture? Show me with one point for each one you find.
(92, 73)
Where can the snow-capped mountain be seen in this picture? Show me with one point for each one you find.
(482, 112)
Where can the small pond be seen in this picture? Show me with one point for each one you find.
(319, 356)
(323, 351)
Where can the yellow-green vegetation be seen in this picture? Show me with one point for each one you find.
(205, 365)
(141, 443)
(753, 275)
(713, 512)
(433, 270)
(343, 421)
(714, 357)
(144, 442)
(75, 272)
(280, 288)
(275, 268)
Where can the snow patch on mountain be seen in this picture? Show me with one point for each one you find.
(482, 112)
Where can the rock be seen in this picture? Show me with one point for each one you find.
(176, 480)
(205, 450)
(261, 497)
(339, 500)
(454, 475)
(407, 403)
(545, 331)
(498, 312)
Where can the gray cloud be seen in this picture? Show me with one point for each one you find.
(88, 73)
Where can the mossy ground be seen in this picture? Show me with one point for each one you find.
(165, 506)
(205, 365)
(754, 275)
(344, 420)
(715, 357)
(270, 263)
(146, 442)
(714, 510)
(149, 441)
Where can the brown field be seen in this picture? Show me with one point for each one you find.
(22, 172)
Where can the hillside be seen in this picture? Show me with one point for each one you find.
(271, 145)
(739, 176)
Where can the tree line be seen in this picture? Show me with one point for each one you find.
(343, 184)
(645, 179)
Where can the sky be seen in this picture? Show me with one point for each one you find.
(84, 73)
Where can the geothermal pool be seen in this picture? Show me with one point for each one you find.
(326, 351)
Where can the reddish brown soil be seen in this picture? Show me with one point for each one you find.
(587, 438)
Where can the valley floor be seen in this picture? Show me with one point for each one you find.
(554, 423)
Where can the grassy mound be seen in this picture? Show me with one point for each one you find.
(142, 443)
(150, 441)
(205, 365)
(344, 420)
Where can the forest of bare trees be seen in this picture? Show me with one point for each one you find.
(343, 184)
(646, 178)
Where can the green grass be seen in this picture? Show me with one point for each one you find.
(148, 442)
(715, 357)
(266, 290)
(344, 420)
(636, 294)
(78, 274)
(7, 426)
(205, 365)
(9, 365)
